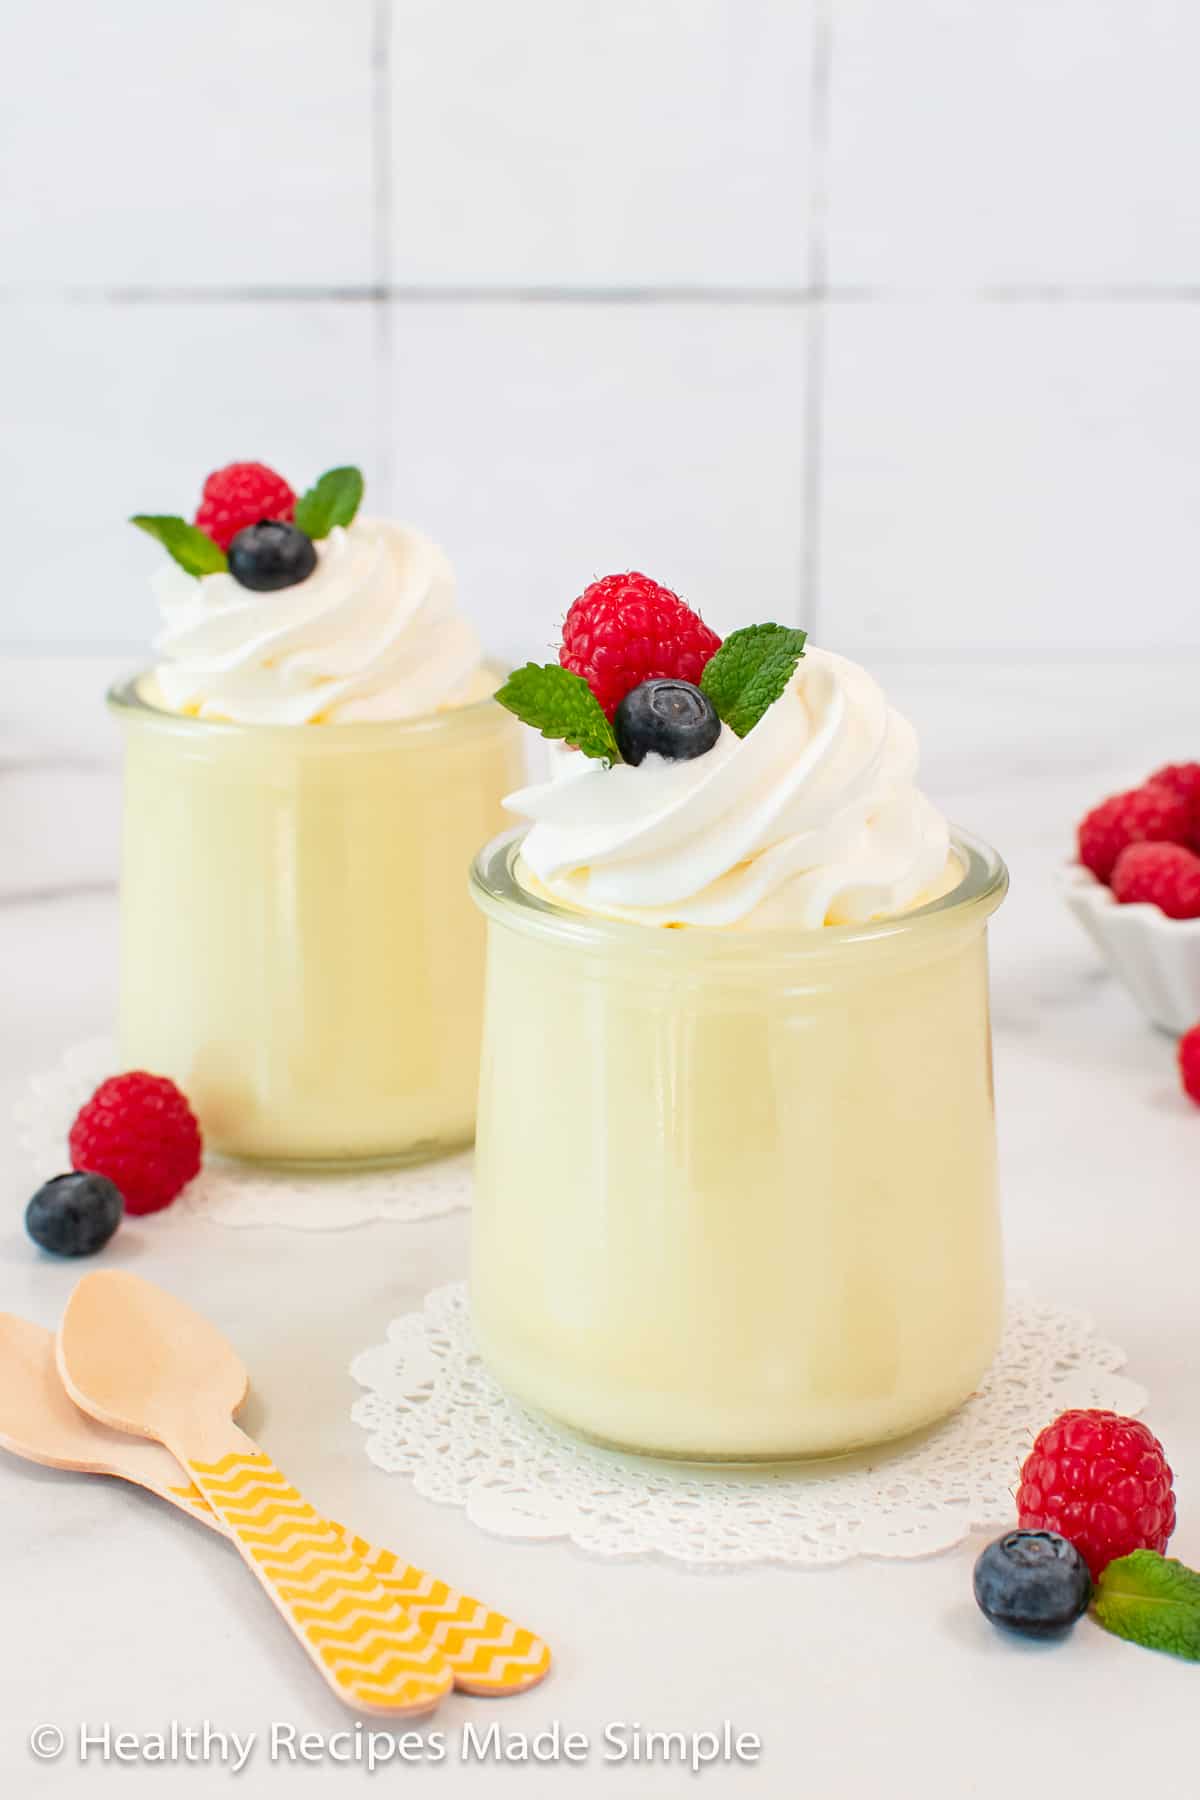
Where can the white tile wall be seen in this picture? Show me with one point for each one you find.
(547, 445)
(634, 143)
(1013, 141)
(882, 311)
(1013, 474)
(168, 145)
(60, 786)
(125, 408)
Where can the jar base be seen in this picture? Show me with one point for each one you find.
(426, 1150)
(819, 1445)
(850, 1454)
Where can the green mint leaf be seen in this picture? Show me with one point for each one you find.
(192, 548)
(750, 671)
(333, 500)
(1152, 1600)
(560, 705)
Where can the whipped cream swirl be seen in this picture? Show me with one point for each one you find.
(813, 818)
(373, 633)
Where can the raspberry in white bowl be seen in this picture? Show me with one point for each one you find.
(1136, 891)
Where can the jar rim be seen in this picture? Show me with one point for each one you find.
(125, 699)
(499, 893)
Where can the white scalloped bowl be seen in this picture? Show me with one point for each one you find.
(1157, 958)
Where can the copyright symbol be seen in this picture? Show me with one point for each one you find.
(47, 1742)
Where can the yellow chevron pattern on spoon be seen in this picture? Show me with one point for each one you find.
(488, 1653)
(140, 1361)
(378, 1657)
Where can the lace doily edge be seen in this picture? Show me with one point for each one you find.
(82, 1064)
(502, 1512)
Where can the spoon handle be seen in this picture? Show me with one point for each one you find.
(365, 1645)
(486, 1651)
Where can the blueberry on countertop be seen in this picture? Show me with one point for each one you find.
(670, 718)
(74, 1215)
(1034, 1582)
(271, 555)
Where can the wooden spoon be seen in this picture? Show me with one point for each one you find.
(487, 1652)
(141, 1361)
(39, 1421)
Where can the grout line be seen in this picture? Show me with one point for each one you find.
(1000, 657)
(816, 293)
(67, 647)
(809, 574)
(1073, 293)
(383, 214)
(13, 898)
(1016, 294)
(371, 293)
(996, 657)
(49, 761)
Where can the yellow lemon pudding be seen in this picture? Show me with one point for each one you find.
(735, 1185)
(308, 769)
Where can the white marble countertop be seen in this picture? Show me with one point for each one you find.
(866, 1680)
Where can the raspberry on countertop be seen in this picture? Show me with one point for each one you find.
(1101, 1481)
(139, 1131)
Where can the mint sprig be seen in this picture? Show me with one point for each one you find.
(192, 548)
(560, 704)
(333, 500)
(750, 671)
(1152, 1600)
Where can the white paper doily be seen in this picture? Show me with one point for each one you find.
(239, 1194)
(435, 1414)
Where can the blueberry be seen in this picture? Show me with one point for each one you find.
(74, 1215)
(672, 718)
(271, 555)
(1034, 1582)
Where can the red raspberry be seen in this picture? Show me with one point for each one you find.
(1147, 814)
(1183, 779)
(239, 495)
(1189, 1063)
(1166, 875)
(626, 629)
(140, 1132)
(1102, 1482)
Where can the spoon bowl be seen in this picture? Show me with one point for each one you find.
(37, 1419)
(488, 1653)
(135, 1358)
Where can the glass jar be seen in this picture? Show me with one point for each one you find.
(298, 950)
(735, 1192)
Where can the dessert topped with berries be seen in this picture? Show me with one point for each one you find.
(752, 782)
(1135, 889)
(288, 609)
